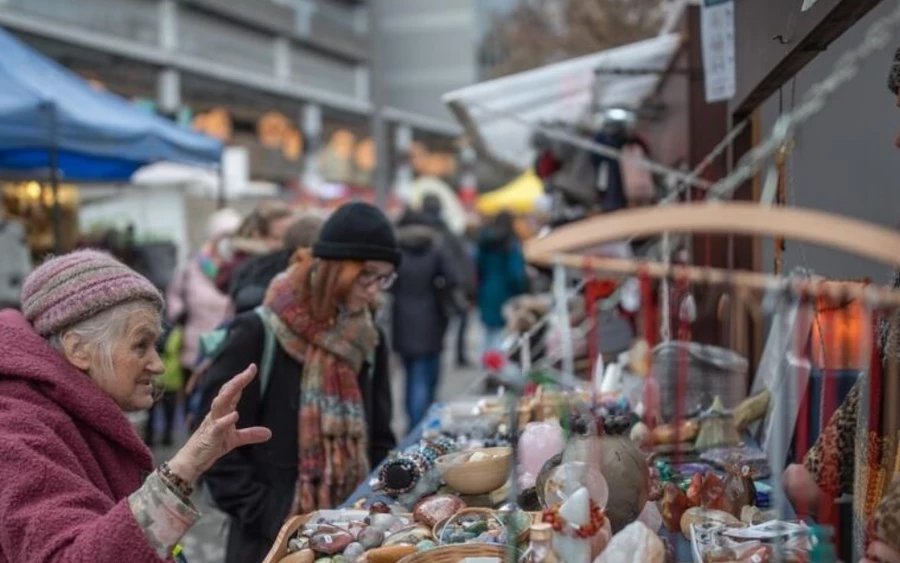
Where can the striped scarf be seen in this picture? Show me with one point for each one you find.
(332, 431)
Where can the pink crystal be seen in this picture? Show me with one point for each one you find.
(538, 443)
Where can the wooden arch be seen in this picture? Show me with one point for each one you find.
(738, 218)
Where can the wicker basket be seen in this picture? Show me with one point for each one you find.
(280, 547)
(457, 553)
(486, 512)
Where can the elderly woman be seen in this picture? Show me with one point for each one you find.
(327, 393)
(77, 482)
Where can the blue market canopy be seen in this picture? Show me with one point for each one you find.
(96, 136)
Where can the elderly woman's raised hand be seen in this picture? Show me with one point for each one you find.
(218, 433)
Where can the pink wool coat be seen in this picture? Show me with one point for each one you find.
(68, 460)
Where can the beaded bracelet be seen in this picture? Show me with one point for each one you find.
(178, 485)
(559, 524)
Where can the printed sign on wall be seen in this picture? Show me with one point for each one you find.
(717, 33)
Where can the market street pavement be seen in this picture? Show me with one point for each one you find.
(205, 543)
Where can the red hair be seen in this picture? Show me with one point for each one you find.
(328, 285)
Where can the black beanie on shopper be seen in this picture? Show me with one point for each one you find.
(358, 231)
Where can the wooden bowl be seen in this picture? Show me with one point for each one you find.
(478, 477)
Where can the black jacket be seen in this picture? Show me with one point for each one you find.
(252, 278)
(422, 293)
(255, 485)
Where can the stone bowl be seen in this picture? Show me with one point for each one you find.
(476, 477)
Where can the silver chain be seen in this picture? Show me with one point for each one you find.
(878, 37)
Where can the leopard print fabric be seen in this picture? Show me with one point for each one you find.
(886, 520)
(894, 75)
(830, 460)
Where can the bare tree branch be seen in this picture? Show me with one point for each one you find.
(540, 32)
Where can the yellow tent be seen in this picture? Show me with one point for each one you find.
(519, 196)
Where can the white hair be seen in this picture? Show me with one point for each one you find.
(102, 331)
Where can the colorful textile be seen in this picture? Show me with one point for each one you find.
(332, 434)
(68, 289)
(857, 452)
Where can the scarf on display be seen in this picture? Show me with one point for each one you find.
(332, 431)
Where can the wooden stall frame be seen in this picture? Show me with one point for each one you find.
(851, 235)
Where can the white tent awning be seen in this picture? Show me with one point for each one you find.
(498, 113)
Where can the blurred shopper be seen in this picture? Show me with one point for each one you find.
(15, 261)
(260, 233)
(501, 275)
(78, 484)
(426, 297)
(194, 303)
(325, 391)
(463, 265)
(250, 280)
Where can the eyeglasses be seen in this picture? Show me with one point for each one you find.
(384, 281)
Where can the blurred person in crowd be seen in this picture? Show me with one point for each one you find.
(327, 393)
(250, 281)
(463, 266)
(260, 233)
(196, 306)
(426, 297)
(15, 261)
(78, 484)
(501, 275)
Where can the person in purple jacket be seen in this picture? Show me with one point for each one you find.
(78, 483)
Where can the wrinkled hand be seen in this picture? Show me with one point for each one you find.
(879, 552)
(218, 433)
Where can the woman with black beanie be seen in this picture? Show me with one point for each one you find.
(327, 396)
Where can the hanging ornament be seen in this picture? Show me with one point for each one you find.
(639, 357)
(781, 200)
(687, 312)
(630, 295)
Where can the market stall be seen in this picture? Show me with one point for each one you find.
(662, 456)
(54, 127)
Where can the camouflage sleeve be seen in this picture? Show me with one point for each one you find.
(161, 514)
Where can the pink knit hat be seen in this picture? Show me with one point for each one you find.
(68, 289)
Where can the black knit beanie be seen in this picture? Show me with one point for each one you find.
(357, 231)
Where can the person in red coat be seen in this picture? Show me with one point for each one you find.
(78, 483)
